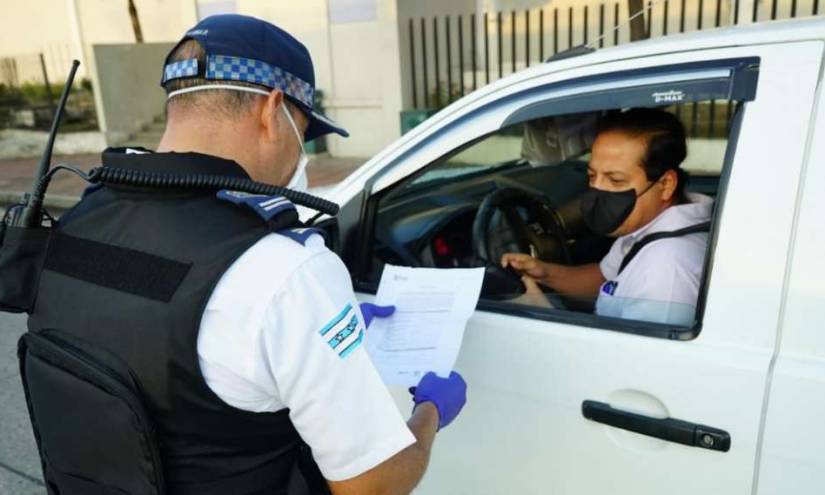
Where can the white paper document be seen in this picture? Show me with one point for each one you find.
(424, 334)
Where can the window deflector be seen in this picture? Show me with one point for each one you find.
(727, 79)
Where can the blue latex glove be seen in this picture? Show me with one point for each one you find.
(447, 394)
(371, 311)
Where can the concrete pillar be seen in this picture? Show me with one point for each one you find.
(77, 37)
(745, 11)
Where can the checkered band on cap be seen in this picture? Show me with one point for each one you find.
(177, 70)
(225, 68)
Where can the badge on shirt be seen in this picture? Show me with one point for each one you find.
(344, 332)
(609, 287)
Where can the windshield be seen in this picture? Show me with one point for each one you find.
(540, 142)
(487, 154)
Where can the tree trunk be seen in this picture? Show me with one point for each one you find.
(638, 31)
(135, 22)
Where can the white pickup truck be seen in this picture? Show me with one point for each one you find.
(563, 401)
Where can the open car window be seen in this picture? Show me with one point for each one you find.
(536, 166)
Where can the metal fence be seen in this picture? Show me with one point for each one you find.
(450, 56)
(28, 95)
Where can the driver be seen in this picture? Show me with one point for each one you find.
(637, 189)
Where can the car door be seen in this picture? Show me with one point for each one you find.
(791, 460)
(533, 374)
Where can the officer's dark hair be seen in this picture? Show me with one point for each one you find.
(232, 104)
(665, 135)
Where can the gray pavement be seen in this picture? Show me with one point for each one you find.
(20, 472)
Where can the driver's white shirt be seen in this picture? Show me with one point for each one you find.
(662, 282)
(267, 342)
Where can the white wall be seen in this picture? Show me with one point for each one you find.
(128, 94)
(67, 29)
(34, 26)
(356, 66)
(366, 96)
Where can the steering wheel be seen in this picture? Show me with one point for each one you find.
(516, 220)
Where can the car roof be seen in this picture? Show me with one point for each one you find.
(784, 31)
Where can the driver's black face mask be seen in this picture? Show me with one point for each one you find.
(604, 211)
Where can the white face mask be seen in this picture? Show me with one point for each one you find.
(299, 181)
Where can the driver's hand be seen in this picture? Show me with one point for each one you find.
(525, 264)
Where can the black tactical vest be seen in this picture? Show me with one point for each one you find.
(129, 271)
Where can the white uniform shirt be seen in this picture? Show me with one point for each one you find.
(661, 284)
(282, 329)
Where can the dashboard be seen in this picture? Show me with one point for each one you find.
(432, 226)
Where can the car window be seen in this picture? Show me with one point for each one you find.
(535, 176)
(499, 150)
(544, 141)
(708, 126)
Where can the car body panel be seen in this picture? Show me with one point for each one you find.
(792, 459)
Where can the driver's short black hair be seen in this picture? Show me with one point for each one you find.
(665, 134)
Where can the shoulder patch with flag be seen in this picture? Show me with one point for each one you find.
(344, 333)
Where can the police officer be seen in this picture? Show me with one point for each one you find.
(244, 334)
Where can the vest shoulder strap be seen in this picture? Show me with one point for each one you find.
(644, 241)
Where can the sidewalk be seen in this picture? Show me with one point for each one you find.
(16, 174)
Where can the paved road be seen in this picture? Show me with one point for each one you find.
(19, 464)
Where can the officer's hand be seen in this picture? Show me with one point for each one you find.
(448, 395)
(371, 311)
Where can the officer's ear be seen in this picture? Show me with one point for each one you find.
(271, 113)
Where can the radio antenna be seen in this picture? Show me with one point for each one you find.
(32, 212)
